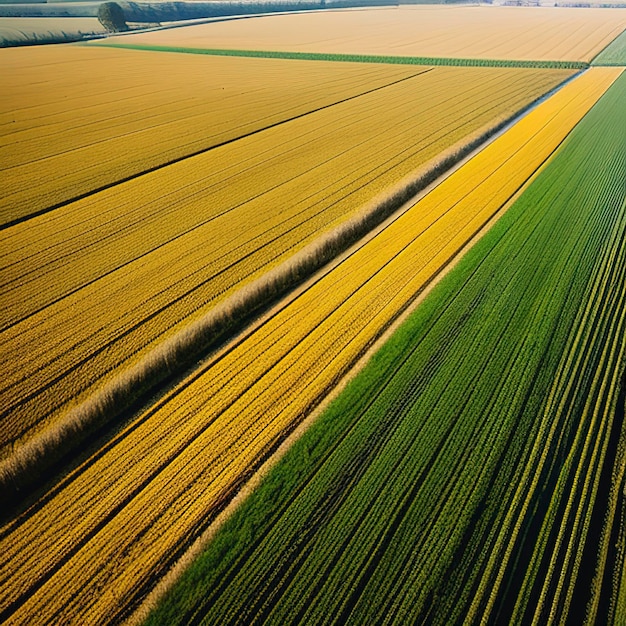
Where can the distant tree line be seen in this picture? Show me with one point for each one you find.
(111, 16)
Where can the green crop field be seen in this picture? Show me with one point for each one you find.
(614, 53)
(475, 469)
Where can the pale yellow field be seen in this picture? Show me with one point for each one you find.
(89, 288)
(520, 33)
(74, 118)
(87, 550)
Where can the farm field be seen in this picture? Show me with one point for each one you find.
(614, 53)
(518, 33)
(74, 120)
(474, 471)
(91, 287)
(119, 520)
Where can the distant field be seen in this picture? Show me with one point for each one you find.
(474, 472)
(89, 287)
(17, 30)
(430, 31)
(124, 515)
(50, 10)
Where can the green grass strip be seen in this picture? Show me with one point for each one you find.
(355, 58)
(394, 506)
(614, 54)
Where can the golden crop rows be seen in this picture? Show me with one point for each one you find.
(77, 119)
(90, 547)
(519, 33)
(89, 287)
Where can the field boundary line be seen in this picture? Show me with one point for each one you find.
(357, 58)
(257, 476)
(200, 151)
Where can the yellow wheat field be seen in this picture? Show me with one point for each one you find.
(89, 287)
(544, 33)
(74, 119)
(103, 537)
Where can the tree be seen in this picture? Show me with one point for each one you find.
(111, 16)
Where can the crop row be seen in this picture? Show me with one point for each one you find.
(119, 520)
(474, 471)
(92, 286)
(357, 58)
(79, 119)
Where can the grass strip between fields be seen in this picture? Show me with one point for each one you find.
(474, 470)
(356, 58)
